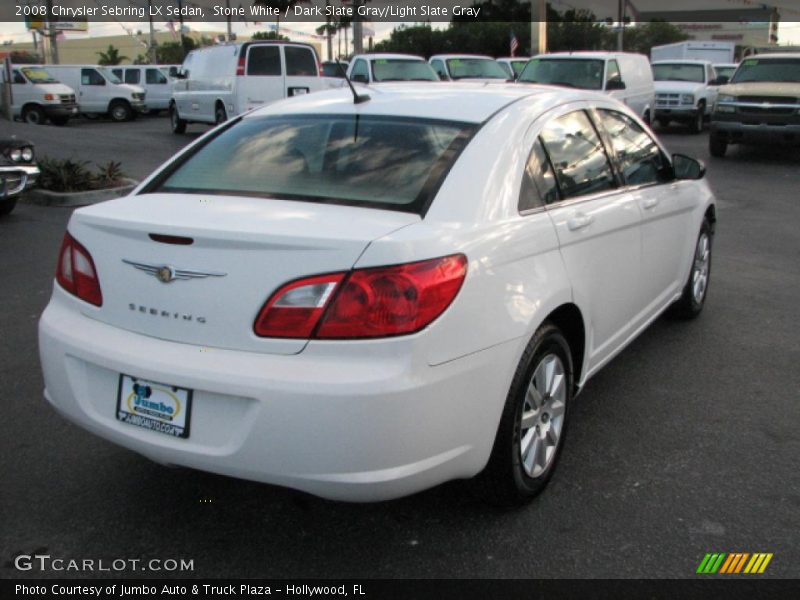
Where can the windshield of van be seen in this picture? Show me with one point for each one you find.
(398, 69)
(38, 75)
(108, 74)
(583, 73)
(396, 163)
(725, 71)
(679, 72)
(475, 68)
(768, 69)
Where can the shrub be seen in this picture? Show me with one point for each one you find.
(70, 175)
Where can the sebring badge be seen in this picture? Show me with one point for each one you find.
(168, 273)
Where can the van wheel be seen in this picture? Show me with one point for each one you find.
(717, 146)
(532, 427)
(120, 111)
(220, 116)
(178, 124)
(646, 117)
(34, 115)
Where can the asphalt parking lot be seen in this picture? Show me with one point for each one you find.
(685, 444)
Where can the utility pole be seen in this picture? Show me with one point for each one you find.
(51, 34)
(228, 21)
(538, 26)
(358, 29)
(152, 49)
(620, 24)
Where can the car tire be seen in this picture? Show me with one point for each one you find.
(523, 458)
(220, 116)
(178, 125)
(698, 120)
(717, 146)
(120, 111)
(59, 121)
(695, 291)
(7, 205)
(34, 115)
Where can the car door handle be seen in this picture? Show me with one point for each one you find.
(650, 202)
(579, 221)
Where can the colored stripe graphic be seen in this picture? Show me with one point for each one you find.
(734, 562)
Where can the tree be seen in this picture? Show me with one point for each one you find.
(23, 57)
(643, 37)
(110, 57)
(282, 6)
(269, 35)
(328, 30)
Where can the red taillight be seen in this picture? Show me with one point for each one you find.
(76, 273)
(365, 303)
(240, 64)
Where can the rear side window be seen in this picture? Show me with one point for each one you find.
(612, 71)
(155, 76)
(577, 155)
(264, 60)
(538, 180)
(132, 75)
(640, 159)
(300, 61)
(360, 71)
(438, 66)
(382, 162)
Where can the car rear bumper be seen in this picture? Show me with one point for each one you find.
(354, 422)
(761, 133)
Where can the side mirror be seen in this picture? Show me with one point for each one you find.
(360, 78)
(686, 167)
(615, 84)
(181, 74)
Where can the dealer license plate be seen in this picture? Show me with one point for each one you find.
(156, 406)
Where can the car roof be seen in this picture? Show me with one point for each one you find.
(447, 56)
(525, 58)
(476, 102)
(774, 55)
(597, 54)
(387, 55)
(681, 61)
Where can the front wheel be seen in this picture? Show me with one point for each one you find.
(695, 290)
(532, 426)
(7, 205)
(178, 124)
(696, 125)
(120, 111)
(220, 116)
(716, 146)
(34, 115)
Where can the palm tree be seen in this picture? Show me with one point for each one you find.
(328, 29)
(110, 56)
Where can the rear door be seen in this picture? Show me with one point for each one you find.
(264, 79)
(93, 97)
(158, 88)
(302, 70)
(598, 226)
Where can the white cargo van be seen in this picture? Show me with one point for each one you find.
(622, 75)
(100, 92)
(152, 78)
(37, 96)
(220, 82)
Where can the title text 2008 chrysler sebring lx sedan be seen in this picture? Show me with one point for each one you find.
(363, 299)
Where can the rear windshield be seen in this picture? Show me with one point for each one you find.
(394, 69)
(679, 72)
(382, 162)
(586, 74)
(474, 68)
(772, 69)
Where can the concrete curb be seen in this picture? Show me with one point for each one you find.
(48, 198)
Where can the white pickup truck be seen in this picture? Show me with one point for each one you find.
(685, 92)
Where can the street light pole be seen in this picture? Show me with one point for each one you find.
(538, 26)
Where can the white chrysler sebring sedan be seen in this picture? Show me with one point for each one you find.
(363, 297)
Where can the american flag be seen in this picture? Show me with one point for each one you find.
(514, 45)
